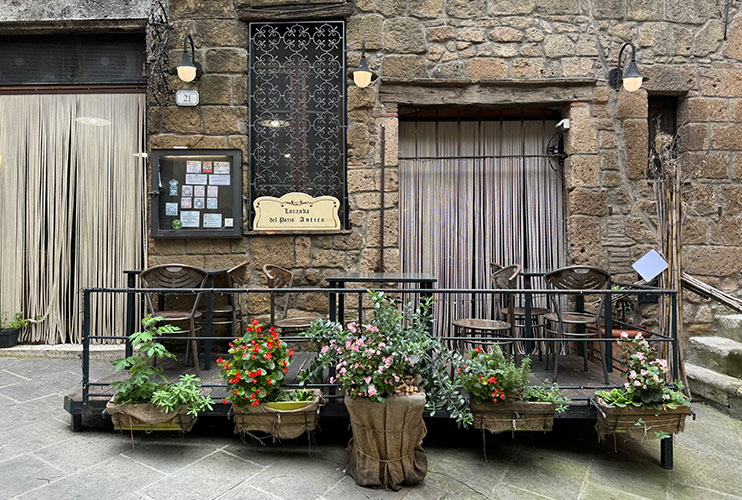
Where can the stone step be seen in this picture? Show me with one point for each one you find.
(98, 352)
(720, 354)
(729, 326)
(722, 390)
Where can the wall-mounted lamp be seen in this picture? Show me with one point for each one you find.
(632, 79)
(188, 69)
(362, 75)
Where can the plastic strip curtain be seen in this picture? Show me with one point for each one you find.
(458, 215)
(73, 209)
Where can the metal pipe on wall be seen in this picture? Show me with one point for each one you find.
(381, 214)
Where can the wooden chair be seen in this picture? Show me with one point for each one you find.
(278, 277)
(176, 276)
(493, 331)
(558, 321)
(230, 312)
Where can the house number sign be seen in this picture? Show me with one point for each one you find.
(296, 212)
(186, 97)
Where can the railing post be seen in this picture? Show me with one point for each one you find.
(674, 331)
(209, 321)
(85, 347)
(130, 316)
(608, 333)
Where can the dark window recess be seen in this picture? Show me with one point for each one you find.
(663, 117)
(72, 60)
(297, 110)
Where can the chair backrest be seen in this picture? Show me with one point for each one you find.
(494, 267)
(279, 277)
(505, 277)
(238, 276)
(578, 278)
(173, 276)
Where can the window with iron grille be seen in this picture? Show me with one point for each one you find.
(297, 110)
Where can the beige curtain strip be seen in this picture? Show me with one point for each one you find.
(79, 201)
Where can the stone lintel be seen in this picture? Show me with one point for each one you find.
(77, 26)
(296, 12)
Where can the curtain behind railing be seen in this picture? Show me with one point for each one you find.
(459, 215)
(73, 213)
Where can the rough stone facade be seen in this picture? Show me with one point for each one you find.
(554, 53)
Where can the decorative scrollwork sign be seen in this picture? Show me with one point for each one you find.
(296, 212)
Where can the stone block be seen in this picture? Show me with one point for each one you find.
(404, 36)
(392, 260)
(611, 179)
(690, 11)
(498, 8)
(239, 90)
(558, 46)
(435, 52)
(721, 82)
(359, 98)
(644, 10)
(225, 60)
(274, 250)
(166, 246)
(732, 200)
(392, 8)
(485, 68)
(505, 34)
(225, 119)
(587, 202)
(365, 201)
(607, 140)
(358, 141)
(583, 239)
(221, 33)
(530, 67)
(365, 27)
(670, 78)
(534, 35)
(636, 147)
(694, 137)
(352, 241)
(609, 160)
(702, 109)
(666, 39)
(632, 104)
(405, 67)
(326, 258)
(727, 136)
(441, 33)
(708, 39)
(360, 180)
(302, 251)
(587, 46)
(582, 136)
(466, 8)
(531, 50)
(215, 89)
(391, 153)
(369, 260)
(427, 9)
(198, 9)
(695, 231)
(475, 35)
(182, 119)
(566, 7)
(316, 302)
(582, 171)
(391, 229)
(705, 164)
(609, 9)
(712, 260)
(730, 231)
(578, 67)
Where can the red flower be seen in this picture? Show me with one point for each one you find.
(269, 382)
(256, 348)
(285, 370)
(267, 355)
(235, 391)
(256, 402)
(492, 380)
(249, 328)
(291, 353)
(252, 356)
(259, 329)
(224, 401)
(478, 349)
(269, 345)
(254, 321)
(219, 361)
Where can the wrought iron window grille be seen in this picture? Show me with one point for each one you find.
(297, 120)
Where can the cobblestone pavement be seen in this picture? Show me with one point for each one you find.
(40, 458)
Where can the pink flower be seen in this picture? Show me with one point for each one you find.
(352, 327)
(371, 390)
(371, 328)
(632, 375)
(325, 349)
(624, 335)
(332, 380)
(638, 336)
(367, 380)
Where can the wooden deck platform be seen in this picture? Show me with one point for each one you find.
(570, 374)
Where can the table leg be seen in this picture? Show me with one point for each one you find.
(528, 319)
(209, 319)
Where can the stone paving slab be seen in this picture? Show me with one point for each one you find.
(41, 458)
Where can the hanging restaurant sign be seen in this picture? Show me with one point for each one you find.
(296, 212)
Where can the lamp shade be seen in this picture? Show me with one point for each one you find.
(362, 75)
(186, 69)
(632, 79)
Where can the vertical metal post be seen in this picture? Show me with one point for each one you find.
(666, 452)
(383, 200)
(130, 319)
(209, 320)
(360, 307)
(332, 299)
(608, 346)
(674, 331)
(528, 310)
(85, 347)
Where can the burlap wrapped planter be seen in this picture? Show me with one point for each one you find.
(147, 417)
(513, 415)
(386, 447)
(615, 420)
(281, 424)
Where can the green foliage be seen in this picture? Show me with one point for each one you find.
(547, 394)
(623, 307)
(256, 366)
(373, 360)
(293, 395)
(147, 383)
(19, 323)
(646, 385)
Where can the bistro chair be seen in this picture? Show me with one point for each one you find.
(492, 331)
(562, 324)
(230, 313)
(176, 276)
(278, 277)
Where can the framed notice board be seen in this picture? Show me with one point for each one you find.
(196, 193)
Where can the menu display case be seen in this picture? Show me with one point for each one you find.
(196, 193)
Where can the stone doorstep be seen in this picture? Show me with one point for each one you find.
(723, 390)
(730, 326)
(717, 353)
(105, 352)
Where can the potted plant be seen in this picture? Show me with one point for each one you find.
(11, 330)
(647, 407)
(501, 397)
(390, 371)
(144, 400)
(254, 371)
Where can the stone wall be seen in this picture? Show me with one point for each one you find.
(554, 53)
